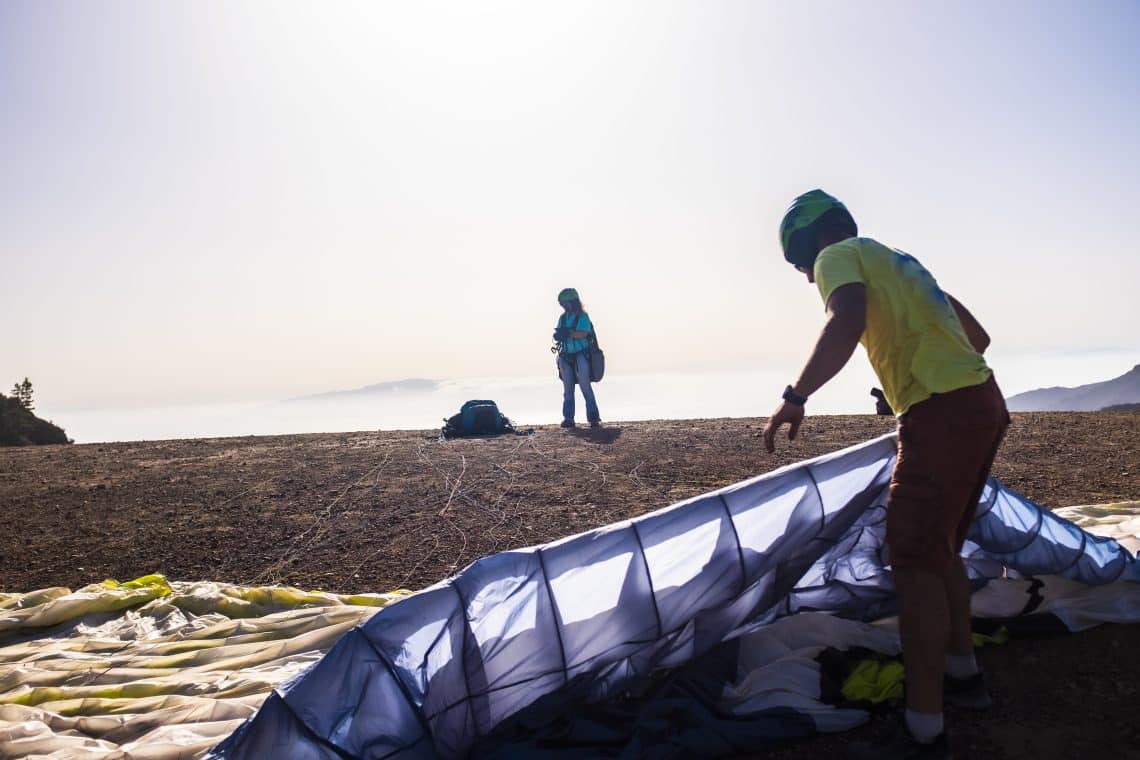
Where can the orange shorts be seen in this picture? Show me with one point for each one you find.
(947, 445)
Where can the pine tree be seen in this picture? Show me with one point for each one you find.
(22, 392)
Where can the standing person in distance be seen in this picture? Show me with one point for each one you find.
(926, 349)
(572, 342)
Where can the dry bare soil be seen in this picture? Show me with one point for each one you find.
(375, 511)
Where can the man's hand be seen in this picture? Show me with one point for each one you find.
(785, 414)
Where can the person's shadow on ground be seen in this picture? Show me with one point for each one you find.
(596, 435)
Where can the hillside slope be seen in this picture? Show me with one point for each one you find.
(19, 427)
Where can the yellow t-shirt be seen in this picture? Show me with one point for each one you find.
(916, 344)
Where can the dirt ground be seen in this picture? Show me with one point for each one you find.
(375, 511)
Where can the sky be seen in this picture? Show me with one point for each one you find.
(215, 201)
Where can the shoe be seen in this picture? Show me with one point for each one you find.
(900, 745)
(596, 424)
(567, 423)
(967, 693)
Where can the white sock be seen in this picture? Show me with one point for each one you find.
(924, 727)
(961, 666)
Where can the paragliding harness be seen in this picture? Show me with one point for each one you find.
(594, 353)
(476, 417)
(882, 406)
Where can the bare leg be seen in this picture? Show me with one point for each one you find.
(924, 626)
(961, 643)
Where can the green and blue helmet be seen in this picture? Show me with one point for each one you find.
(567, 294)
(810, 213)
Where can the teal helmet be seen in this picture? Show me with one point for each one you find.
(567, 294)
(810, 213)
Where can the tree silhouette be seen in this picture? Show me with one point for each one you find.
(22, 392)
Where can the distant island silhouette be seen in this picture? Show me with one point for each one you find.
(410, 385)
(1123, 391)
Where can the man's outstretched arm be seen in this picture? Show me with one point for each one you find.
(846, 319)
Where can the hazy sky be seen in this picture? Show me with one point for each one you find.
(227, 200)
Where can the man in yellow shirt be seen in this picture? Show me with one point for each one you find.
(926, 349)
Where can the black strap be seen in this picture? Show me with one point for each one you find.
(593, 337)
(793, 398)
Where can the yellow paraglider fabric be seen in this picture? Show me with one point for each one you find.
(875, 680)
(150, 668)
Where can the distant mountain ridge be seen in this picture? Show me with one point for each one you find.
(409, 385)
(1084, 398)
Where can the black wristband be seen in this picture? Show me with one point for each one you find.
(792, 398)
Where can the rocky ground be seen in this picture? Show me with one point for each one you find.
(374, 511)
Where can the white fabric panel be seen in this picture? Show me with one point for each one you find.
(1076, 604)
(693, 560)
(603, 598)
(1120, 521)
(363, 707)
(1020, 534)
(777, 666)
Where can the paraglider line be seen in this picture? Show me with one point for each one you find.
(739, 544)
(648, 577)
(554, 604)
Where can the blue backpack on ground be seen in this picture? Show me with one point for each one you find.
(477, 417)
